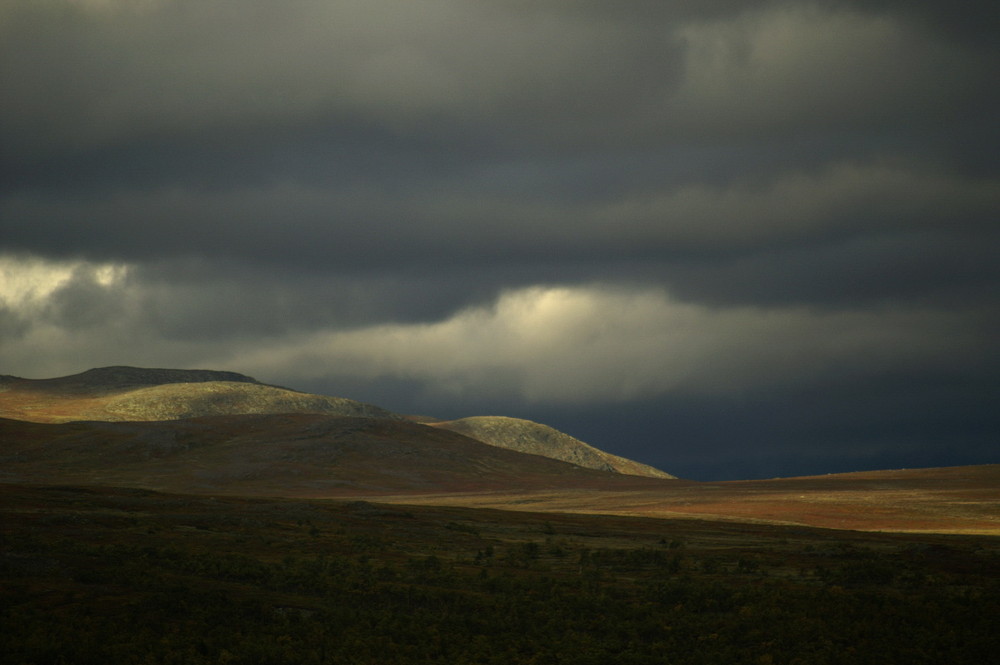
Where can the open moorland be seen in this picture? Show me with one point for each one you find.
(943, 500)
(321, 456)
(99, 575)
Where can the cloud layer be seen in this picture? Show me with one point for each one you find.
(549, 208)
(593, 345)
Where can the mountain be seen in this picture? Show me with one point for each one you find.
(530, 437)
(118, 394)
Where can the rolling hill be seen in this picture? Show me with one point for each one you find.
(222, 433)
(530, 437)
(294, 454)
(116, 394)
(138, 394)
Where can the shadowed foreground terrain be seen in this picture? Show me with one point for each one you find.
(113, 575)
(290, 455)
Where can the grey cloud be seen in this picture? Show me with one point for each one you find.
(212, 160)
(194, 65)
(75, 295)
(202, 301)
(977, 21)
(469, 224)
(269, 174)
(938, 268)
(84, 303)
(13, 325)
(589, 345)
(556, 75)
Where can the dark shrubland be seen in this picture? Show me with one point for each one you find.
(98, 576)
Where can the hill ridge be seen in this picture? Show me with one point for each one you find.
(124, 393)
(528, 436)
(119, 378)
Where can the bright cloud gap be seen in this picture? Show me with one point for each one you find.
(590, 343)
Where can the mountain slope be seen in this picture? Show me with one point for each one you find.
(219, 398)
(530, 437)
(135, 394)
(279, 455)
(121, 393)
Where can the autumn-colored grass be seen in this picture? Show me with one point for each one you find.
(947, 500)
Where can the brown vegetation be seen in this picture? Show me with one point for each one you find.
(104, 575)
(134, 394)
(946, 500)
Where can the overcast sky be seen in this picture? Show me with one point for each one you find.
(729, 239)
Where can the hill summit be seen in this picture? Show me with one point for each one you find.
(119, 378)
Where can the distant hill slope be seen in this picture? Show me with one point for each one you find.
(106, 380)
(136, 394)
(527, 436)
(280, 455)
(220, 398)
(123, 393)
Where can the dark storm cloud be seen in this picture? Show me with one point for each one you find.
(196, 299)
(947, 269)
(535, 112)
(530, 78)
(977, 21)
(638, 207)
